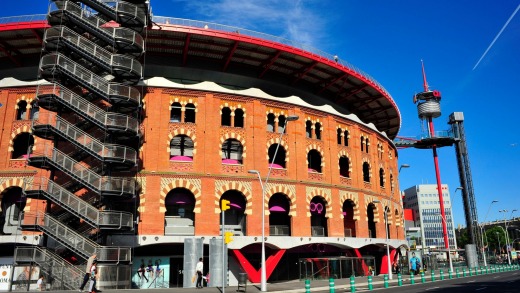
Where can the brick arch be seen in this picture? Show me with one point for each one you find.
(16, 132)
(354, 199)
(280, 189)
(186, 132)
(369, 200)
(180, 183)
(236, 136)
(367, 160)
(238, 186)
(381, 167)
(26, 99)
(15, 182)
(328, 200)
(398, 219)
(318, 148)
(284, 145)
(344, 153)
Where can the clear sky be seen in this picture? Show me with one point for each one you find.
(471, 50)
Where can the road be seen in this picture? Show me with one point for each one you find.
(506, 282)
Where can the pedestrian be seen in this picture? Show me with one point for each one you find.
(415, 264)
(86, 277)
(40, 284)
(93, 277)
(199, 268)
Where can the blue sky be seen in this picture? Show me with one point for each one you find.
(387, 39)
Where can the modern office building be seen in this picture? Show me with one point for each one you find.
(423, 201)
(122, 135)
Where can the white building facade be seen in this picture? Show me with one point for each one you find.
(423, 200)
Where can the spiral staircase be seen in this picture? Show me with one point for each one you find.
(90, 135)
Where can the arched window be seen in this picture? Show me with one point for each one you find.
(235, 216)
(366, 145)
(189, 114)
(308, 129)
(279, 161)
(232, 152)
(362, 143)
(225, 119)
(314, 161)
(21, 145)
(366, 172)
(281, 124)
(344, 167)
(35, 111)
(338, 135)
(371, 222)
(179, 216)
(391, 183)
(279, 218)
(345, 137)
(270, 122)
(317, 130)
(12, 203)
(239, 118)
(181, 148)
(21, 111)
(318, 208)
(175, 112)
(349, 224)
(381, 177)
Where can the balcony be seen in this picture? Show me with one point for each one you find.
(177, 226)
(279, 230)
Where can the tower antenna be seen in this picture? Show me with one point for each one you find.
(425, 83)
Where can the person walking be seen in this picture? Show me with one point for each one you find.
(93, 277)
(199, 268)
(86, 277)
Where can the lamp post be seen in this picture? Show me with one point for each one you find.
(403, 166)
(449, 249)
(483, 231)
(499, 247)
(387, 240)
(507, 252)
(263, 277)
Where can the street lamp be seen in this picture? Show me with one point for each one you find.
(263, 277)
(387, 240)
(506, 234)
(449, 250)
(499, 247)
(403, 166)
(483, 231)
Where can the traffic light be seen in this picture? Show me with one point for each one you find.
(227, 237)
(225, 205)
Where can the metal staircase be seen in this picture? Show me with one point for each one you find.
(69, 276)
(90, 133)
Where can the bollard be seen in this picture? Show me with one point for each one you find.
(385, 281)
(457, 273)
(432, 275)
(307, 286)
(464, 272)
(423, 279)
(470, 272)
(331, 285)
(370, 287)
(450, 274)
(441, 272)
(399, 280)
(412, 281)
(352, 284)
(487, 271)
(476, 271)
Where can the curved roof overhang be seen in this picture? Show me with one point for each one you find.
(236, 52)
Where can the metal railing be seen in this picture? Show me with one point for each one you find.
(53, 265)
(84, 140)
(102, 184)
(131, 40)
(85, 77)
(279, 230)
(73, 240)
(88, 110)
(79, 207)
(318, 231)
(120, 11)
(95, 53)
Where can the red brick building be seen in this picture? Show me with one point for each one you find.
(214, 103)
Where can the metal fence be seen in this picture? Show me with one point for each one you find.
(335, 267)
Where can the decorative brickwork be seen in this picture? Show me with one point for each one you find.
(168, 184)
(221, 186)
(325, 193)
(354, 197)
(288, 190)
